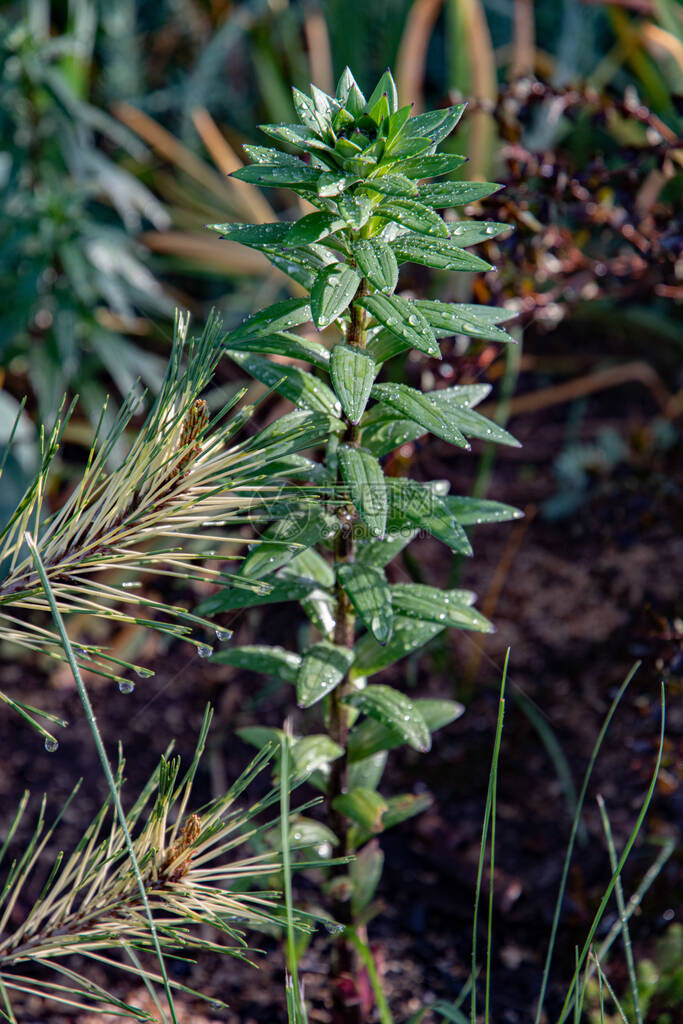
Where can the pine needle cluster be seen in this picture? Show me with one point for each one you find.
(184, 477)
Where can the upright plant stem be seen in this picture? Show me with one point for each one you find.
(104, 760)
(344, 635)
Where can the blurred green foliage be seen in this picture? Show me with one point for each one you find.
(72, 276)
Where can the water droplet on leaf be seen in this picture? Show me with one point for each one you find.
(204, 651)
(126, 686)
(51, 744)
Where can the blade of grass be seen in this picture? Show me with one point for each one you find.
(104, 760)
(619, 893)
(292, 986)
(490, 805)
(620, 865)
(605, 981)
(572, 839)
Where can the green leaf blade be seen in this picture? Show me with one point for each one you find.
(322, 668)
(366, 484)
(353, 373)
(393, 708)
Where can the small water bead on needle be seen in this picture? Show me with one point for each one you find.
(51, 744)
(204, 650)
(126, 686)
(143, 673)
(223, 634)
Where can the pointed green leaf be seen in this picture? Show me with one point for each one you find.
(379, 552)
(364, 806)
(472, 424)
(369, 737)
(456, 193)
(254, 235)
(417, 407)
(392, 708)
(333, 291)
(349, 94)
(469, 232)
(392, 185)
(401, 808)
(269, 661)
(298, 386)
(437, 124)
(295, 135)
(313, 227)
(429, 166)
(440, 253)
(377, 261)
(472, 511)
(410, 501)
(307, 112)
(383, 437)
(353, 373)
(413, 215)
(386, 85)
(365, 871)
(309, 565)
(403, 318)
(363, 476)
(323, 667)
(327, 105)
(271, 157)
(369, 593)
(397, 122)
(368, 771)
(319, 606)
(430, 604)
(278, 176)
(292, 345)
(233, 598)
(408, 635)
(311, 753)
(278, 317)
(283, 540)
(448, 318)
(331, 184)
(355, 209)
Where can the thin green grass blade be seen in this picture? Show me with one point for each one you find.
(619, 893)
(294, 997)
(620, 865)
(572, 840)
(482, 855)
(104, 760)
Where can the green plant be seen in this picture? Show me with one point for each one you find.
(364, 167)
(183, 480)
(74, 279)
(95, 902)
(141, 888)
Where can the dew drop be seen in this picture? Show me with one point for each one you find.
(333, 928)
(126, 686)
(223, 634)
(204, 651)
(459, 230)
(143, 673)
(324, 850)
(490, 229)
(130, 585)
(51, 744)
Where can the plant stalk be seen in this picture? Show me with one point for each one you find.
(344, 636)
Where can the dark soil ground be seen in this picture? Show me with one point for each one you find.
(580, 599)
